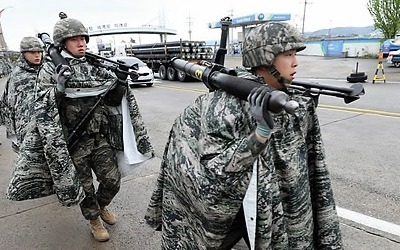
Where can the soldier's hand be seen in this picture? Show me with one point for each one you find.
(258, 99)
(62, 75)
(122, 72)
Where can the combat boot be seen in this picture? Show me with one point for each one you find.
(107, 216)
(98, 230)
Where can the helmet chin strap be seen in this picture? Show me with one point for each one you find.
(285, 83)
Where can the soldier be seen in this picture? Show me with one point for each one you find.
(67, 100)
(227, 175)
(18, 94)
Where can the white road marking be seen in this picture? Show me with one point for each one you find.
(369, 221)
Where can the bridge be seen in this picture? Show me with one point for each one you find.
(244, 21)
(117, 29)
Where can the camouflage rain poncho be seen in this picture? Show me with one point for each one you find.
(206, 169)
(18, 97)
(45, 138)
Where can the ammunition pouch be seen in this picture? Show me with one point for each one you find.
(114, 97)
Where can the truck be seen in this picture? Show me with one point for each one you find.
(158, 56)
(390, 45)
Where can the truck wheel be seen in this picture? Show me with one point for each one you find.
(397, 64)
(171, 74)
(182, 76)
(162, 72)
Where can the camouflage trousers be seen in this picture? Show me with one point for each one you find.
(93, 152)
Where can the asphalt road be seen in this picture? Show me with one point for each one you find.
(361, 141)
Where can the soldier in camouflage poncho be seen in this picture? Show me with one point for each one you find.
(31, 177)
(18, 95)
(226, 175)
(62, 102)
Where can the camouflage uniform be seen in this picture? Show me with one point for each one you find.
(32, 177)
(207, 166)
(3, 115)
(18, 95)
(69, 172)
(93, 151)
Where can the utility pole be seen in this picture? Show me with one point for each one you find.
(231, 39)
(329, 30)
(304, 16)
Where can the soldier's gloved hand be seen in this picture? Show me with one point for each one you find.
(258, 99)
(62, 77)
(122, 73)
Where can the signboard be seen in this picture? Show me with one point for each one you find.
(107, 26)
(253, 19)
(243, 20)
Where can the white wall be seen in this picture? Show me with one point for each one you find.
(354, 48)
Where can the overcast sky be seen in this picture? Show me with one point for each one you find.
(27, 17)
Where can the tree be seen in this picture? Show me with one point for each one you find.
(386, 16)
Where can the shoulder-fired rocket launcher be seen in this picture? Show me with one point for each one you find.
(216, 76)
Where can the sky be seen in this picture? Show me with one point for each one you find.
(28, 17)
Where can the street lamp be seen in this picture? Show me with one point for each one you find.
(3, 45)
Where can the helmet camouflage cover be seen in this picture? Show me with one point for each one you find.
(264, 42)
(66, 28)
(30, 43)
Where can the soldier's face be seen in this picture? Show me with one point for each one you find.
(33, 57)
(286, 64)
(76, 45)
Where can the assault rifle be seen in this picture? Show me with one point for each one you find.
(60, 62)
(113, 65)
(349, 94)
(216, 76)
(99, 61)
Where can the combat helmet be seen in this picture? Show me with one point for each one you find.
(266, 41)
(30, 43)
(66, 28)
